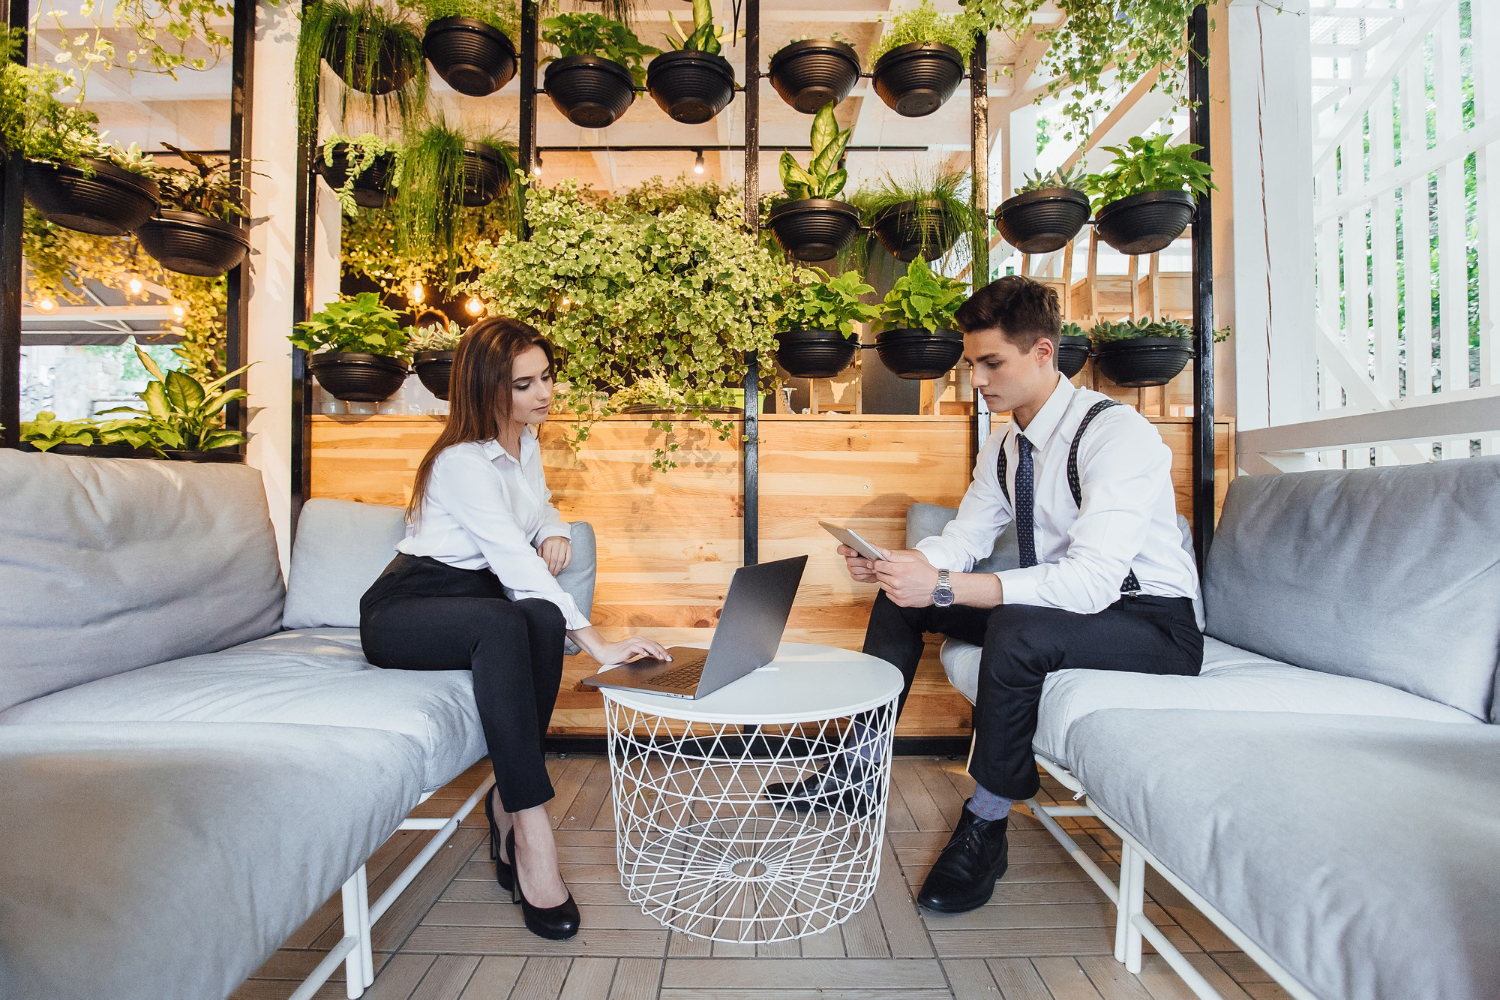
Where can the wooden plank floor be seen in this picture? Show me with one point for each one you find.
(1048, 934)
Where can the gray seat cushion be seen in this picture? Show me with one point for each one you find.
(1232, 680)
(111, 564)
(1387, 574)
(139, 862)
(311, 677)
(1359, 853)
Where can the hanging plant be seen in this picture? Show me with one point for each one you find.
(811, 72)
(642, 308)
(375, 51)
(811, 224)
(1047, 211)
(1141, 352)
(200, 229)
(920, 59)
(169, 35)
(819, 340)
(920, 215)
(469, 42)
(1072, 350)
(919, 340)
(431, 348)
(356, 348)
(599, 64)
(1145, 199)
(358, 169)
(693, 82)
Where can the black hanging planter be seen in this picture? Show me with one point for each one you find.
(813, 229)
(1072, 355)
(592, 92)
(371, 187)
(811, 73)
(193, 243)
(1145, 222)
(93, 450)
(391, 71)
(918, 354)
(435, 369)
(691, 87)
(475, 58)
(815, 353)
(214, 455)
(915, 227)
(486, 175)
(915, 80)
(1042, 221)
(1143, 361)
(358, 378)
(106, 200)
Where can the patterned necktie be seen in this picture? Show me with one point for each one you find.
(1025, 502)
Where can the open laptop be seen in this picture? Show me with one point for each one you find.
(750, 626)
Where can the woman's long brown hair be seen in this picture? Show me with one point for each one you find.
(480, 394)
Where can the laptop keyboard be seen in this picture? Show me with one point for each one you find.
(683, 678)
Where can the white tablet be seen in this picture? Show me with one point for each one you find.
(852, 539)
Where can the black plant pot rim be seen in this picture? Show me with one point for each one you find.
(912, 206)
(460, 23)
(1147, 343)
(1143, 198)
(718, 62)
(801, 334)
(901, 333)
(431, 357)
(918, 50)
(832, 46)
(1043, 194)
(813, 205)
(485, 151)
(590, 62)
(356, 358)
(230, 454)
(102, 168)
(1076, 340)
(182, 218)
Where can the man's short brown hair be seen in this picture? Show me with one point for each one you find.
(1023, 310)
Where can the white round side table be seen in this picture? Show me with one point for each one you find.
(699, 846)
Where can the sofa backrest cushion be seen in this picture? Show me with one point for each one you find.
(107, 565)
(924, 520)
(1387, 574)
(342, 546)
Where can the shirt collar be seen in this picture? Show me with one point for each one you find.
(493, 451)
(1049, 416)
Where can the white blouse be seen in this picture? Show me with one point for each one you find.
(484, 509)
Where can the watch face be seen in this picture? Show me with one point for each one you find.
(942, 597)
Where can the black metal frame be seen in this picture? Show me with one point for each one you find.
(11, 207)
(302, 308)
(1203, 294)
(237, 320)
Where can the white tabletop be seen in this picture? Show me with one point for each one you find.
(805, 683)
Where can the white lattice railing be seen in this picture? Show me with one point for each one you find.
(1406, 167)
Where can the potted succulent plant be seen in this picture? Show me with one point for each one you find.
(431, 348)
(198, 230)
(469, 43)
(1046, 212)
(811, 224)
(1141, 352)
(921, 57)
(95, 438)
(919, 217)
(1072, 350)
(1145, 199)
(819, 339)
(919, 340)
(358, 168)
(356, 349)
(811, 72)
(693, 82)
(184, 418)
(373, 49)
(441, 171)
(599, 64)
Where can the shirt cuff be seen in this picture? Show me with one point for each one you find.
(572, 617)
(560, 529)
(1020, 586)
(941, 555)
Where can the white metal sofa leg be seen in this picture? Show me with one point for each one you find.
(1132, 907)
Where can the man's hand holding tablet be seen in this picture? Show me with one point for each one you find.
(859, 554)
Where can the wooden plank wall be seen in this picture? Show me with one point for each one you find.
(669, 543)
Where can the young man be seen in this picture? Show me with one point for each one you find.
(1104, 583)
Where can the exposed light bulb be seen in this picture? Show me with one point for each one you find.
(179, 312)
(698, 163)
(136, 286)
(473, 306)
(536, 168)
(417, 294)
(46, 305)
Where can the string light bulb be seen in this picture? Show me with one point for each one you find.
(46, 305)
(698, 162)
(179, 312)
(473, 306)
(136, 286)
(418, 294)
(536, 168)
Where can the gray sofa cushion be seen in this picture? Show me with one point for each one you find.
(1359, 853)
(110, 564)
(1232, 680)
(342, 546)
(311, 677)
(1388, 574)
(139, 862)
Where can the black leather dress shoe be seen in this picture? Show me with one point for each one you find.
(964, 876)
(840, 787)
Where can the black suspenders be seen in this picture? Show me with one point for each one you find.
(1131, 584)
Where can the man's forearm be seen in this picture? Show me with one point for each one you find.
(977, 590)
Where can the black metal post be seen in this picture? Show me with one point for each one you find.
(979, 156)
(752, 219)
(237, 319)
(302, 308)
(1203, 294)
(528, 102)
(12, 180)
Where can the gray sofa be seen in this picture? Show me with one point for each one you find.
(1326, 789)
(193, 758)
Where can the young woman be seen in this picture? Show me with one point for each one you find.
(474, 587)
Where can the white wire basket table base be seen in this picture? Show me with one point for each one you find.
(700, 847)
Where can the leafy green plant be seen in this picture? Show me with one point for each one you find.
(442, 336)
(823, 178)
(339, 31)
(940, 204)
(504, 15)
(1041, 180)
(1071, 329)
(37, 124)
(657, 197)
(362, 324)
(361, 152)
(924, 23)
(1150, 165)
(182, 413)
(209, 188)
(430, 176)
(596, 35)
(824, 303)
(705, 36)
(47, 432)
(1110, 331)
(922, 298)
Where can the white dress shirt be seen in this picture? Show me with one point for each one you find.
(485, 509)
(1128, 520)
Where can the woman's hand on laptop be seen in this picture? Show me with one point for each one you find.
(591, 642)
(860, 568)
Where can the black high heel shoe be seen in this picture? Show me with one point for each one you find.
(556, 923)
(504, 874)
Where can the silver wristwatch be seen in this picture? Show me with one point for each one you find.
(942, 594)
